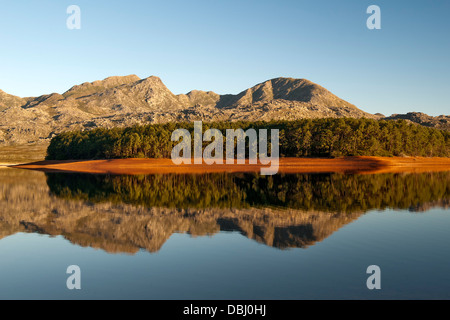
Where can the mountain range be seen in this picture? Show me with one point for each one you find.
(129, 100)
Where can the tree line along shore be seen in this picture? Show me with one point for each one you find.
(328, 137)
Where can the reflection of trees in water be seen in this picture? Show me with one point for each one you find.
(325, 192)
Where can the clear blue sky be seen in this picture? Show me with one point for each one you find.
(228, 46)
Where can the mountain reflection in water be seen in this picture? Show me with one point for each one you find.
(129, 213)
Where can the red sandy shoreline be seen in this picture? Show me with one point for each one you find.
(286, 165)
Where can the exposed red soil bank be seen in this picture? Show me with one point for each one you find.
(286, 165)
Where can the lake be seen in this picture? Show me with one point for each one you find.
(224, 236)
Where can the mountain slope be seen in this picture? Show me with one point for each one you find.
(8, 100)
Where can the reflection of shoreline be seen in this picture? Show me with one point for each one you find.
(7, 164)
(28, 205)
(286, 165)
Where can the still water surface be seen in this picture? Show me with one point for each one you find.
(224, 236)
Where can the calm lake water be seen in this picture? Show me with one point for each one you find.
(224, 236)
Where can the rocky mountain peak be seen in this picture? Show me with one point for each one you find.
(9, 100)
(441, 122)
(116, 81)
(198, 97)
(88, 88)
